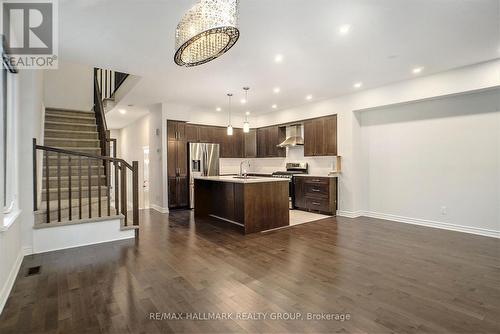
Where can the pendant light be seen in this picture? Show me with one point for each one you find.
(229, 126)
(246, 125)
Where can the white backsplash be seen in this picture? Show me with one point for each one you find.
(319, 166)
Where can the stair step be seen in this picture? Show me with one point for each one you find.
(94, 180)
(41, 216)
(74, 192)
(65, 203)
(70, 126)
(71, 134)
(74, 161)
(73, 142)
(74, 171)
(70, 119)
(58, 111)
(88, 150)
(129, 225)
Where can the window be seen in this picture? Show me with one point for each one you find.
(8, 147)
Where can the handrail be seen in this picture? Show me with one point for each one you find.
(120, 182)
(92, 156)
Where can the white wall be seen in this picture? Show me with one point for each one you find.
(435, 160)
(470, 78)
(132, 140)
(70, 87)
(17, 239)
(157, 159)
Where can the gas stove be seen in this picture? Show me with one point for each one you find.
(292, 168)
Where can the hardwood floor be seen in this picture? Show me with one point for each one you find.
(389, 277)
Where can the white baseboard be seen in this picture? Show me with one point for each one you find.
(27, 250)
(435, 224)
(159, 208)
(7, 287)
(349, 214)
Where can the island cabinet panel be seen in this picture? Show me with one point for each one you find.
(316, 194)
(254, 207)
(320, 136)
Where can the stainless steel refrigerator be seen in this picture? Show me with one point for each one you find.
(203, 161)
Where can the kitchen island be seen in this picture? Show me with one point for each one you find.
(254, 203)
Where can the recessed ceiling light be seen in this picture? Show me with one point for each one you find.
(309, 97)
(417, 70)
(247, 113)
(218, 109)
(278, 58)
(274, 106)
(122, 111)
(344, 29)
(276, 90)
(358, 85)
(243, 101)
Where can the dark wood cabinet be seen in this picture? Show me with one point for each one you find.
(330, 135)
(177, 134)
(268, 139)
(309, 138)
(250, 144)
(320, 136)
(316, 194)
(192, 133)
(178, 196)
(176, 130)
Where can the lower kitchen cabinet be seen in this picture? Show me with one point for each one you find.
(178, 196)
(316, 194)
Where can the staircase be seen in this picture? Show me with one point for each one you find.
(71, 130)
(80, 181)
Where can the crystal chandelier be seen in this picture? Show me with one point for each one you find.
(207, 30)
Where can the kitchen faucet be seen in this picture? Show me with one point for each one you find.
(241, 167)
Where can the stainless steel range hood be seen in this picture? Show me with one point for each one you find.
(294, 136)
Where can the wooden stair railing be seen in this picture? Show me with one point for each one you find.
(84, 161)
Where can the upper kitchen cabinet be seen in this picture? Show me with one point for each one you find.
(250, 142)
(176, 130)
(320, 136)
(232, 146)
(268, 139)
(192, 133)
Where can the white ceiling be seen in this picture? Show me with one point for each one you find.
(387, 39)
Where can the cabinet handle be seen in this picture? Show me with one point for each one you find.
(315, 190)
(315, 203)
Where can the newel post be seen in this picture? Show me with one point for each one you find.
(135, 192)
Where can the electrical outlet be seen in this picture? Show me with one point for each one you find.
(444, 210)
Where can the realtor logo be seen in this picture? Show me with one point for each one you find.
(30, 33)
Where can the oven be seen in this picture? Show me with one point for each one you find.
(291, 170)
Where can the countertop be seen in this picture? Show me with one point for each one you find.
(232, 179)
(309, 175)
